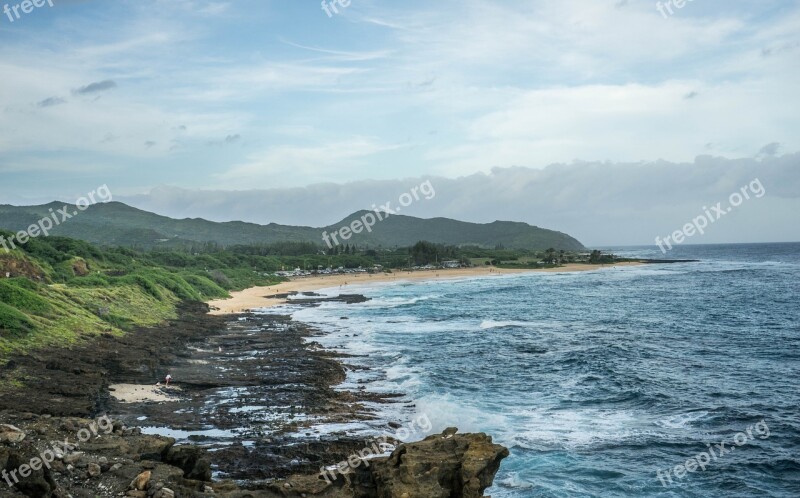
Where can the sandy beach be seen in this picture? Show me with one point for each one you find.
(255, 297)
(137, 393)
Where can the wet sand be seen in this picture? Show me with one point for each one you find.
(257, 297)
(138, 393)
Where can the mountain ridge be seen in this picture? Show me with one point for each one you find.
(116, 223)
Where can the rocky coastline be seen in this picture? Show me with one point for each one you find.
(239, 420)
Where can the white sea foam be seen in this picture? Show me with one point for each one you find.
(682, 420)
(493, 324)
(549, 429)
(513, 480)
(390, 372)
(396, 301)
(446, 411)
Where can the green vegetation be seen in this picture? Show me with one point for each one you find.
(117, 224)
(21, 293)
(530, 259)
(13, 321)
(55, 290)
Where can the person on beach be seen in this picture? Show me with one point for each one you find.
(168, 379)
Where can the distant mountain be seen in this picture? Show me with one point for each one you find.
(115, 223)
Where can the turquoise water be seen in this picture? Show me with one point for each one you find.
(598, 380)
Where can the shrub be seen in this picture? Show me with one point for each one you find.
(13, 322)
(147, 285)
(220, 278)
(94, 280)
(15, 292)
(205, 286)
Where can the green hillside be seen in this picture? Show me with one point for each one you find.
(117, 224)
(56, 291)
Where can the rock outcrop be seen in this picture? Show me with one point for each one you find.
(447, 465)
(126, 463)
(192, 460)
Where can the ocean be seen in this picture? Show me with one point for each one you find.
(655, 380)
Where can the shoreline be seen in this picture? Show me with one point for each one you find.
(264, 296)
(256, 430)
(211, 356)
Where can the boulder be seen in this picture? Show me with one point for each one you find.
(10, 434)
(447, 465)
(192, 460)
(164, 493)
(93, 470)
(38, 482)
(140, 482)
(72, 458)
(149, 447)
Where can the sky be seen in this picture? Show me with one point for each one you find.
(610, 120)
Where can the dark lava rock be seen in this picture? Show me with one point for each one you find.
(72, 382)
(276, 373)
(341, 298)
(192, 460)
(19, 461)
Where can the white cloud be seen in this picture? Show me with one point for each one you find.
(299, 165)
(392, 89)
(600, 203)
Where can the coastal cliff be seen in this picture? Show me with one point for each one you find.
(44, 456)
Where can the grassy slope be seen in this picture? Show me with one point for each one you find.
(73, 314)
(62, 291)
